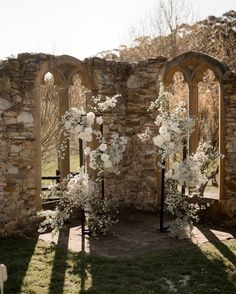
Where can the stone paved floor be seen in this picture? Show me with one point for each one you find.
(135, 234)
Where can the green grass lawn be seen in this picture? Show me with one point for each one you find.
(37, 267)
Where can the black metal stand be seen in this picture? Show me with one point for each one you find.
(81, 155)
(102, 181)
(184, 157)
(81, 163)
(162, 228)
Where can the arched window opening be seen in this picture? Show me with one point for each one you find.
(49, 99)
(179, 90)
(77, 98)
(179, 94)
(208, 125)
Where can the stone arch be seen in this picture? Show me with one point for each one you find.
(70, 65)
(193, 65)
(63, 69)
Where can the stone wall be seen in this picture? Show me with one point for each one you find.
(229, 197)
(110, 79)
(143, 181)
(138, 185)
(17, 140)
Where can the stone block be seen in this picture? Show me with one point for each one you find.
(26, 118)
(5, 104)
(133, 82)
(13, 170)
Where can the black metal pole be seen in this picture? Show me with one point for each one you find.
(162, 228)
(184, 157)
(102, 181)
(81, 155)
(83, 231)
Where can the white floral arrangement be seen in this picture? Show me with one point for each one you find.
(78, 191)
(145, 135)
(105, 103)
(174, 130)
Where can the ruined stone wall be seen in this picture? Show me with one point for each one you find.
(138, 184)
(229, 93)
(143, 180)
(17, 137)
(110, 79)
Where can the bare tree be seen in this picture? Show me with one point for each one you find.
(161, 32)
(49, 119)
(168, 18)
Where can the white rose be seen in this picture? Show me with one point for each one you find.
(88, 138)
(88, 131)
(107, 164)
(78, 128)
(82, 136)
(85, 137)
(103, 147)
(163, 130)
(166, 137)
(104, 157)
(158, 141)
(99, 120)
(67, 125)
(87, 150)
(90, 118)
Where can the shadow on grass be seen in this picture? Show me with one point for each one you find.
(183, 270)
(59, 263)
(223, 249)
(17, 258)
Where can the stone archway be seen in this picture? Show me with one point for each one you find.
(137, 185)
(63, 69)
(193, 65)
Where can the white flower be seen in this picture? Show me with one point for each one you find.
(172, 145)
(168, 174)
(110, 102)
(158, 141)
(74, 111)
(85, 137)
(104, 157)
(78, 128)
(146, 135)
(107, 164)
(99, 120)
(67, 125)
(82, 136)
(88, 138)
(163, 130)
(88, 131)
(175, 165)
(174, 128)
(103, 147)
(166, 137)
(87, 150)
(90, 118)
